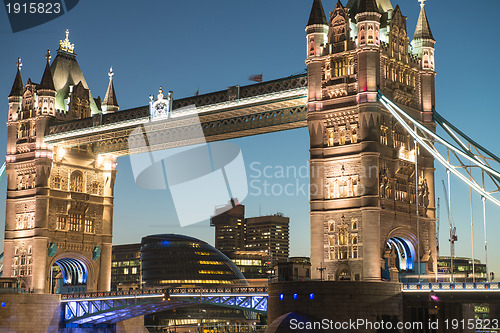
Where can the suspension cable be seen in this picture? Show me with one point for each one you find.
(485, 239)
(416, 204)
(430, 148)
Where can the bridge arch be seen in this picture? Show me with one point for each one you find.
(71, 272)
(404, 244)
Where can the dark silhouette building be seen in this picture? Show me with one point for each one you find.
(171, 260)
(126, 267)
(268, 234)
(229, 227)
(462, 269)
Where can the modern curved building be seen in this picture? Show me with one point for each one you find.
(170, 260)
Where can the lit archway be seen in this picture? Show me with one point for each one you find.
(405, 253)
(343, 273)
(69, 275)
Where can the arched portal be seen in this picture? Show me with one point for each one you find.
(69, 275)
(343, 273)
(405, 253)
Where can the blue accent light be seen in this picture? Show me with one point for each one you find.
(311, 296)
(164, 243)
(282, 296)
(3, 304)
(405, 253)
(73, 271)
(294, 296)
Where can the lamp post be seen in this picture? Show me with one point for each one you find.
(321, 269)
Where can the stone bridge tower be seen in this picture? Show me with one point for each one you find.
(59, 212)
(363, 180)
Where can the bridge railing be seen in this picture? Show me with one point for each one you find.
(165, 291)
(138, 113)
(451, 286)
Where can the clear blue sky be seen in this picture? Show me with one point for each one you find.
(184, 45)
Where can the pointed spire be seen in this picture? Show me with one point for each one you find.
(317, 15)
(423, 30)
(17, 87)
(110, 103)
(47, 82)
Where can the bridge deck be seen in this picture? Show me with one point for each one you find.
(237, 112)
(114, 306)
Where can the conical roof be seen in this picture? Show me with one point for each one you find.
(362, 6)
(423, 30)
(47, 82)
(367, 6)
(17, 87)
(110, 98)
(317, 15)
(66, 73)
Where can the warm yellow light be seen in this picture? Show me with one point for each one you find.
(100, 159)
(65, 45)
(61, 152)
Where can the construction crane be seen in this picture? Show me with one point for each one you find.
(453, 231)
(437, 228)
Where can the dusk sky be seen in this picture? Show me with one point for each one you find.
(210, 45)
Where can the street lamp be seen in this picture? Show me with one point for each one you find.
(321, 269)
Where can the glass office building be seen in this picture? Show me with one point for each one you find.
(170, 260)
(126, 267)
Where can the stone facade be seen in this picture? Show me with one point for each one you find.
(363, 180)
(59, 210)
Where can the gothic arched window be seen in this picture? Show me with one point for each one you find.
(76, 181)
(56, 182)
(354, 225)
(342, 135)
(354, 134)
(343, 236)
(330, 137)
(94, 188)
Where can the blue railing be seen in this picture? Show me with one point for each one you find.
(451, 286)
(168, 291)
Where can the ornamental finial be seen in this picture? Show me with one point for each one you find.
(160, 95)
(19, 63)
(48, 56)
(65, 45)
(422, 2)
(111, 74)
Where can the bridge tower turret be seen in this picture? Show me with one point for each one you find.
(317, 29)
(16, 93)
(363, 183)
(110, 104)
(59, 209)
(423, 46)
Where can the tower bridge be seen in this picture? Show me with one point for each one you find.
(368, 101)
